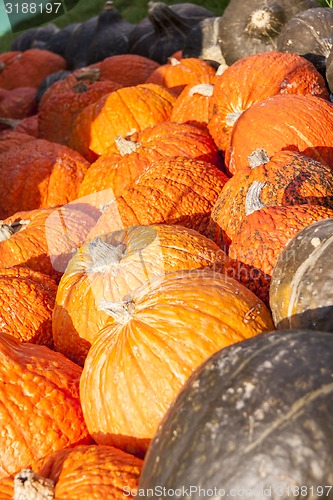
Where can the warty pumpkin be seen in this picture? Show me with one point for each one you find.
(40, 407)
(80, 472)
(177, 73)
(288, 177)
(28, 68)
(162, 333)
(262, 235)
(248, 81)
(27, 300)
(111, 266)
(39, 174)
(283, 122)
(253, 420)
(176, 190)
(45, 239)
(127, 158)
(18, 103)
(301, 286)
(118, 113)
(64, 100)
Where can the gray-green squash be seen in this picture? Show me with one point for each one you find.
(255, 420)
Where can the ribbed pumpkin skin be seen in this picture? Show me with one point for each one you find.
(289, 178)
(118, 113)
(39, 174)
(86, 471)
(126, 69)
(40, 407)
(174, 190)
(249, 81)
(137, 365)
(193, 105)
(27, 300)
(260, 412)
(28, 68)
(294, 122)
(261, 237)
(301, 286)
(176, 74)
(118, 169)
(63, 101)
(110, 267)
(47, 237)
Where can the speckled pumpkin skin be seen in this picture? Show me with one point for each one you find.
(255, 416)
(289, 178)
(262, 236)
(301, 292)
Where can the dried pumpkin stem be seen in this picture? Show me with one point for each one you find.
(9, 122)
(253, 201)
(205, 89)
(30, 486)
(91, 75)
(258, 157)
(104, 254)
(7, 230)
(121, 311)
(126, 146)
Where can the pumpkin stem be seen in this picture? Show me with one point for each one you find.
(9, 122)
(258, 157)
(265, 21)
(30, 486)
(2, 66)
(90, 74)
(104, 254)
(6, 230)
(80, 87)
(205, 89)
(253, 201)
(121, 311)
(221, 69)
(231, 118)
(126, 146)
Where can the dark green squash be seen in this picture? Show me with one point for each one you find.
(202, 41)
(111, 35)
(27, 39)
(164, 30)
(255, 420)
(301, 293)
(252, 26)
(309, 34)
(76, 52)
(57, 43)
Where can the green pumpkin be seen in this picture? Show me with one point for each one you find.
(301, 291)
(254, 420)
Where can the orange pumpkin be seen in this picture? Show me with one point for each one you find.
(253, 79)
(300, 123)
(28, 68)
(162, 333)
(45, 239)
(289, 178)
(125, 69)
(63, 101)
(177, 73)
(128, 157)
(39, 174)
(40, 410)
(193, 105)
(26, 304)
(263, 234)
(176, 190)
(110, 267)
(11, 139)
(18, 103)
(118, 113)
(81, 472)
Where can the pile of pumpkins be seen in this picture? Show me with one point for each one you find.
(166, 260)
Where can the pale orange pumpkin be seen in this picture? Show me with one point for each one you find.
(161, 334)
